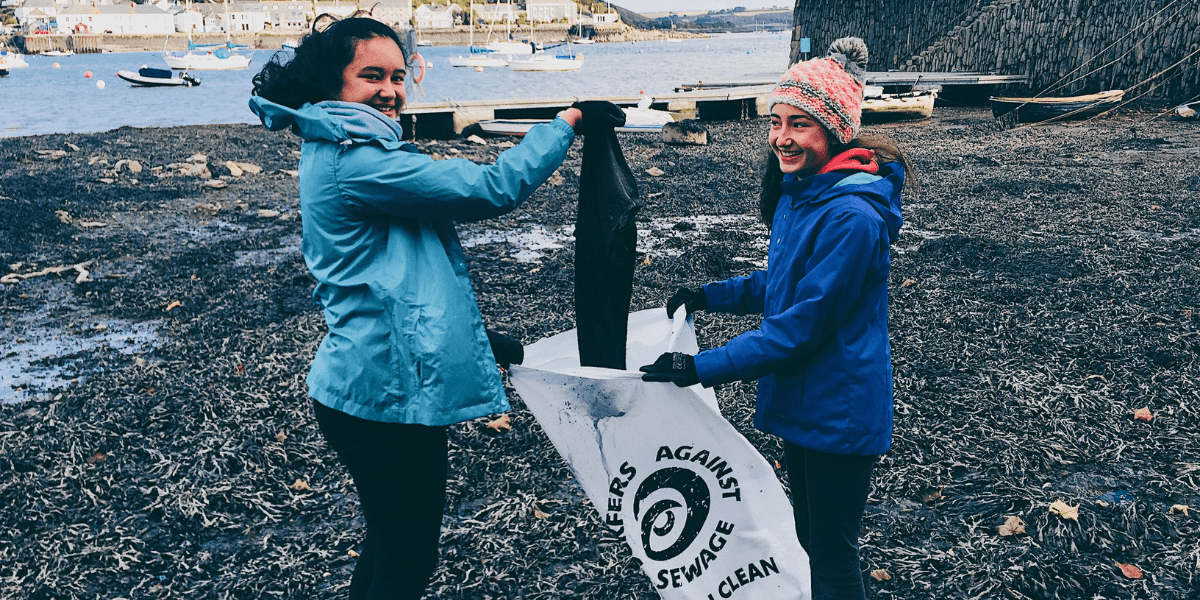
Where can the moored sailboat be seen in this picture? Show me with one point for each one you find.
(210, 57)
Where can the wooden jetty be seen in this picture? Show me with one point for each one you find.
(446, 119)
(957, 88)
(745, 98)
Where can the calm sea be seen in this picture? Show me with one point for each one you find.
(41, 99)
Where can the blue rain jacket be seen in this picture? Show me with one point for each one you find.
(406, 342)
(821, 356)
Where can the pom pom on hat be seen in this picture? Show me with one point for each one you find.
(829, 89)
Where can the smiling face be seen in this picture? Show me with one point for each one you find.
(799, 141)
(376, 76)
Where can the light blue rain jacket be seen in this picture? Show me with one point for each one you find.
(406, 342)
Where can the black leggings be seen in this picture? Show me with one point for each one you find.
(829, 495)
(400, 473)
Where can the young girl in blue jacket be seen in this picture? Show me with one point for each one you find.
(406, 354)
(821, 356)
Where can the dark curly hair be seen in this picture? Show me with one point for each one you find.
(314, 74)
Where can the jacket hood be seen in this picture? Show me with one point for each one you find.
(331, 120)
(881, 191)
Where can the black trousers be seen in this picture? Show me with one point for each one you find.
(829, 495)
(400, 473)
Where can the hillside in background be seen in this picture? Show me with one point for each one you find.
(723, 20)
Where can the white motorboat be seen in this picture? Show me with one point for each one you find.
(218, 57)
(58, 53)
(547, 62)
(478, 60)
(584, 40)
(148, 77)
(11, 60)
(207, 58)
(512, 47)
(479, 57)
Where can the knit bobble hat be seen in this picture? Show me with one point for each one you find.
(829, 89)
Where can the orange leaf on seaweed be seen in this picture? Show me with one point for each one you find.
(1143, 414)
(502, 423)
(1130, 571)
(1065, 510)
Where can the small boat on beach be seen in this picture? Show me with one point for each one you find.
(148, 77)
(1191, 110)
(637, 119)
(895, 107)
(1033, 110)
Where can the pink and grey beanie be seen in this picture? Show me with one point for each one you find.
(829, 89)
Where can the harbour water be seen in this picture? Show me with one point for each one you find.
(41, 99)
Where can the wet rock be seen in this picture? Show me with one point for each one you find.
(206, 210)
(50, 154)
(267, 213)
(477, 140)
(215, 184)
(250, 168)
(233, 168)
(197, 170)
(655, 172)
(689, 132)
(134, 166)
(198, 158)
(72, 147)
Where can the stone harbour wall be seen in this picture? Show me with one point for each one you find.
(1146, 47)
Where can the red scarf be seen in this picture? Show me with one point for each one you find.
(854, 159)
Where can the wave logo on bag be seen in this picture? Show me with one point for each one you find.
(676, 511)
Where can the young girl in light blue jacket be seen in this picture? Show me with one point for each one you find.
(406, 354)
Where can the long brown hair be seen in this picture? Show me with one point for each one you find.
(886, 150)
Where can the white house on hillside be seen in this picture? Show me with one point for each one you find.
(46, 11)
(245, 17)
(497, 13)
(338, 9)
(550, 10)
(189, 21)
(393, 12)
(436, 17)
(122, 18)
(610, 17)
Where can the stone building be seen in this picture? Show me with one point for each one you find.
(1146, 47)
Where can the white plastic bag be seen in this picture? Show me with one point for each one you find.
(695, 502)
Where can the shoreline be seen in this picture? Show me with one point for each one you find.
(459, 36)
(1042, 290)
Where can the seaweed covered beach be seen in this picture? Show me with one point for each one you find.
(156, 326)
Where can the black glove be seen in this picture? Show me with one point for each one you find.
(694, 300)
(599, 115)
(676, 367)
(507, 350)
